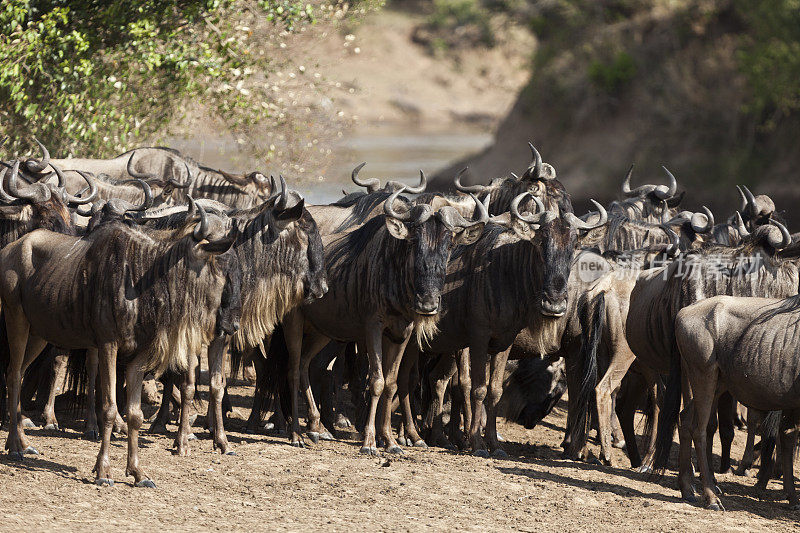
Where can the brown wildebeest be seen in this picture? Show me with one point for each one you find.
(152, 303)
(747, 346)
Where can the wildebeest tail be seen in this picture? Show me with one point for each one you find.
(770, 428)
(273, 382)
(592, 318)
(669, 416)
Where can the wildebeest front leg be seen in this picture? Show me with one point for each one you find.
(49, 412)
(187, 396)
(216, 362)
(91, 430)
(465, 383)
(788, 440)
(495, 393)
(315, 430)
(134, 375)
(374, 339)
(23, 349)
(392, 357)
(438, 379)
(107, 365)
(479, 372)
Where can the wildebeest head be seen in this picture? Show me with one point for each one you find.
(432, 234)
(533, 386)
(49, 203)
(755, 210)
(555, 238)
(774, 234)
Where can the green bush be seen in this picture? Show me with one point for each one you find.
(94, 76)
(611, 76)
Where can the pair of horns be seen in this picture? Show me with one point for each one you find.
(662, 192)
(700, 222)
(374, 184)
(448, 213)
(772, 238)
(542, 216)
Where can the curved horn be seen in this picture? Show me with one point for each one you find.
(75, 200)
(32, 165)
(674, 245)
(483, 210)
(423, 182)
(284, 195)
(27, 193)
(189, 179)
(786, 237)
(389, 209)
(4, 197)
(701, 226)
(148, 197)
(192, 211)
(535, 218)
(473, 189)
(371, 184)
(201, 230)
(744, 198)
(626, 183)
(133, 173)
(577, 223)
(516, 178)
(665, 214)
(740, 226)
(536, 164)
(671, 190)
(751, 201)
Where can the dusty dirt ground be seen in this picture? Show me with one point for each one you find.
(329, 486)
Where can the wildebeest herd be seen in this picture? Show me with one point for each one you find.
(424, 303)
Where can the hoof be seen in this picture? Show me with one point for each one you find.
(618, 444)
(231, 453)
(30, 450)
(645, 469)
(500, 438)
(421, 444)
(314, 436)
(103, 482)
(191, 436)
(51, 427)
(27, 423)
(91, 434)
(715, 507)
(298, 444)
(689, 497)
(146, 483)
(404, 441)
(16, 456)
(499, 454)
(368, 450)
(481, 453)
(343, 422)
(592, 460)
(750, 472)
(396, 450)
(159, 429)
(326, 435)
(269, 426)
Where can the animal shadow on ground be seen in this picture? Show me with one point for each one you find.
(35, 463)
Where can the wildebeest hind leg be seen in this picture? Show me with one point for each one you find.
(91, 430)
(107, 366)
(374, 339)
(788, 439)
(704, 384)
(216, 362)
(49, 412)
(479, 373)
(134, 374)
(495, 393)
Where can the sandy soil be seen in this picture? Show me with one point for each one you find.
(329, 486)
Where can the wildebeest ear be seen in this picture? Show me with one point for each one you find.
(469, 235)
(291, 214)
(219, 246)
(397, 228)
(522, 229)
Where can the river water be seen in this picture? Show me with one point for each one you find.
(391, 151)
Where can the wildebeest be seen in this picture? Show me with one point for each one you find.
(747, 346)
(750, 269)
(385, 280)
(281, 256)
(514, 276)
(142, 302)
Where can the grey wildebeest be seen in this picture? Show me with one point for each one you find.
(385, 280)
(513, 277)
(173, 174)
(142, 302)
(750, 269)
(281, 257)
(748, 347)
(23, 208)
